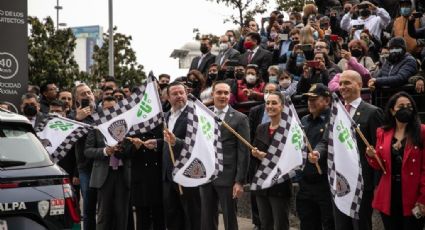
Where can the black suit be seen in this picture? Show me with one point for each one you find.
(229, 54)
(183, 212)
(113, 185)
(235, 168)
(205, 64)
(262, 58)
(369, 118)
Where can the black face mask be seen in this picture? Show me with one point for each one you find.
(204, 49)
(356, 53)
(212, 76)
(364, 13)
(404, 115)
(395, 57)
(239, 75)
(163, 86)
(286, 31)
(30, 110)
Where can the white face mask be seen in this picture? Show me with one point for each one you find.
(223, 46)
(285, 83)
(251, 79)
(265, 96)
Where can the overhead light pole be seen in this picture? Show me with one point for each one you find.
(111, 40)
(58, 8)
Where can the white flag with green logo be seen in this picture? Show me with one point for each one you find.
(139, 113)
(59, 134)
(201, 158)
(344, 167)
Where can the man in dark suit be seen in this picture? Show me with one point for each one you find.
(226, 52)
(111, 176)
(256, 55)
(229, 184)
(30, 108)
(182, 211)
(202, 62)
(369, 118)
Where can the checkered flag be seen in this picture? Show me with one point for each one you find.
(59, 134)
(286, 154)
(345, 171)
(201, 159)
(140, 113)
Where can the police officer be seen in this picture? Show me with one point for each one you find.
(314, 205)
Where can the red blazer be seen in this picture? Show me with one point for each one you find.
(412, 173)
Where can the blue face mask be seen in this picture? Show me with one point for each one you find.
(405, 11)
(300, 59)
(273, 79)
(315, 35)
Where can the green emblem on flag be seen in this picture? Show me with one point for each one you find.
(344, 136)
(59, 125)
(206, 127)
(296, 138)
(144, 107)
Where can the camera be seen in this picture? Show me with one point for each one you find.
(416, 211)
(358, 27)
(283, 37)
(417, 14)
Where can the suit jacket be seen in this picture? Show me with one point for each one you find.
(179, 131)
(412, 170)
(369, 118)
(262, 142)
(230, 54)
(235, 153)
(206, 62)
(262, 58)
(94, 150)
(256, 114)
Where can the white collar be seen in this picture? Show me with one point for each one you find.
(355, 104)
(179, 110)
(224, 110)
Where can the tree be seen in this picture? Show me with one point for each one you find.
(50, 54)
(126, 68)
(293, 5)
(247, 9)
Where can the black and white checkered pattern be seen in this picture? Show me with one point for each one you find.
(275, 150)
(61, 151)
(191, 131)
(355, 205)
(124, 105)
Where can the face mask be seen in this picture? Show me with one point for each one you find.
(163, 85)
(248, 45)
(239, 75)
(405, 11)
(251, 79)
(223, 46)
(366, 41)
(30, 110)
(286, 31)
(273, 79)
(231, 39)
(294, 22)
(395, 55)
(265, 96)
(346, 10)
(204, 49)
(383, 58)
(285, 83)
(300, 59)
(364, 13)
(356, 53)
(195, 84)
(315, 35)
(273, 35)
(404, 115)
(212, 76)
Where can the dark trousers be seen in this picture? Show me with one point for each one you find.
(344, 222)
(274, 212)
(254, 210)
(182, 212)
(210, 197)
(113, 202)
(401, 222)
(89, 201)
(148, 217)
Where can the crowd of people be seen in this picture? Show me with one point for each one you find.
(357, 51)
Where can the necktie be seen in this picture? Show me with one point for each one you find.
(218, 113)
(114, 162)
(348, 107)
(250, 54)
(200, 60)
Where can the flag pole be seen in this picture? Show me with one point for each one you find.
(236, 134)
(369, 146)
(170, 148)
(310, 149)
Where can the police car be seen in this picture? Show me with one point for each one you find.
(34, 192)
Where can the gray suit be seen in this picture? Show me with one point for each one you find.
(113, 185)
(235, 161)
(230, 54)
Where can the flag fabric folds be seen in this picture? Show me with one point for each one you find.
(286, 154)
(59, 134)
(201, 158)
(139, 113)
(344, 167)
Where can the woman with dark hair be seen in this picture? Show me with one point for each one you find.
(273, 202)
(400, 194)
(195, 82)
(250, 88)
(358, 55)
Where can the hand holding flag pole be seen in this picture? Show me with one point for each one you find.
(371, 147)
(168, 134)
(310, 149)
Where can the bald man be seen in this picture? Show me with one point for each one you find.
(369, 118)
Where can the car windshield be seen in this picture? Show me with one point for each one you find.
(21, 148)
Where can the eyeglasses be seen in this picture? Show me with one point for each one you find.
(320, 47)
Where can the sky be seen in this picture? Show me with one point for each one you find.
(157, 27)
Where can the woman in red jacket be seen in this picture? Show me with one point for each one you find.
(401, 191)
